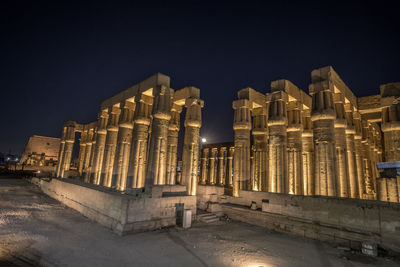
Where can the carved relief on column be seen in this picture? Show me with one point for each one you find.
(277, 149)
(351, 152)
(391, 130)
(69, 145)
(82, 150)
(88, 154)
(221, 165)
(61, 152)
(341, 148)
(229, 171)
(294, 148)
(190, 156)
(203, 171)
(122, 153)
(367, 163)
(98, 154)
(241, 126)
(138, 154)
(211, 167)
(359, 154)
(110, 146)
(157, 159)
(172, 151)
(260, 134)
(323, 116)
(308, 154)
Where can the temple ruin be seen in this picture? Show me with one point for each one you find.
(309, 164)
(325, 143)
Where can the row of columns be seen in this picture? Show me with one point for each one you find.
(321, 149)
(134, 143)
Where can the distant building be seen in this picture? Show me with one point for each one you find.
(41, 151)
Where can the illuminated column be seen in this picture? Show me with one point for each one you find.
(359, 154)
(367, 163)
(211, 166)
(157, 159)
(99, 147)
(220, 171)
(253, 179)
(88, 154)
(351, 152)
(110, 147)
(308, 154)
(61, 152)
(138, 154)
(277, 124)
(69, 145)
(323, 117)
(391, 131)
(172, 151)
(340, 141)
(260, 135)
(122, 154)
(190, 156)
(203, 171)
(82, 150)
(294, 148)
(229, 171)
(241, 126)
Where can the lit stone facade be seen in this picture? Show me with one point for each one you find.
(323, 143)
(134, 142)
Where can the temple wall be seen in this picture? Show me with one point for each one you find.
(332, 219)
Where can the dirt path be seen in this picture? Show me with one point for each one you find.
(36, 230)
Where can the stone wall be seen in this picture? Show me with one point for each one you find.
(339, 220)
(120, 212)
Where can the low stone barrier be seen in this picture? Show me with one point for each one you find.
(123, 213)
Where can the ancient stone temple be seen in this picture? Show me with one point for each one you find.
(41, 151)
(323, 143)
(134, 142)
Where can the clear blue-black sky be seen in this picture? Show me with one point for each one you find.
(59, 61)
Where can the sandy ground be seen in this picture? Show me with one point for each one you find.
(37, 230)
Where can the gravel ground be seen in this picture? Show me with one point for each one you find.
(36, 230)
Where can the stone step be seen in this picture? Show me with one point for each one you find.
(207, 218)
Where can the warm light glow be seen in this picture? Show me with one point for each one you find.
(203, 140)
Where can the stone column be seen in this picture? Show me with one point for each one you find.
(211, 167)
(277, 148)
(82, 150)
(221, 165)
(323, 118)
(122, 154)
(359, 154)
(308, 154)
(172, 151)
(242, 127)
(341, 149)
(391, 131)
(98, 154)
(61, 152)
(157, 159)
(110, 147)
(138, 155)
(351, 152)
(294, 148)
(203, 171)
(229, 171)
(260, 135)
(190, 156)
(367, 163)
(69, 145)
(88, 154)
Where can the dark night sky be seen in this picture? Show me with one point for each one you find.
(60, 61)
